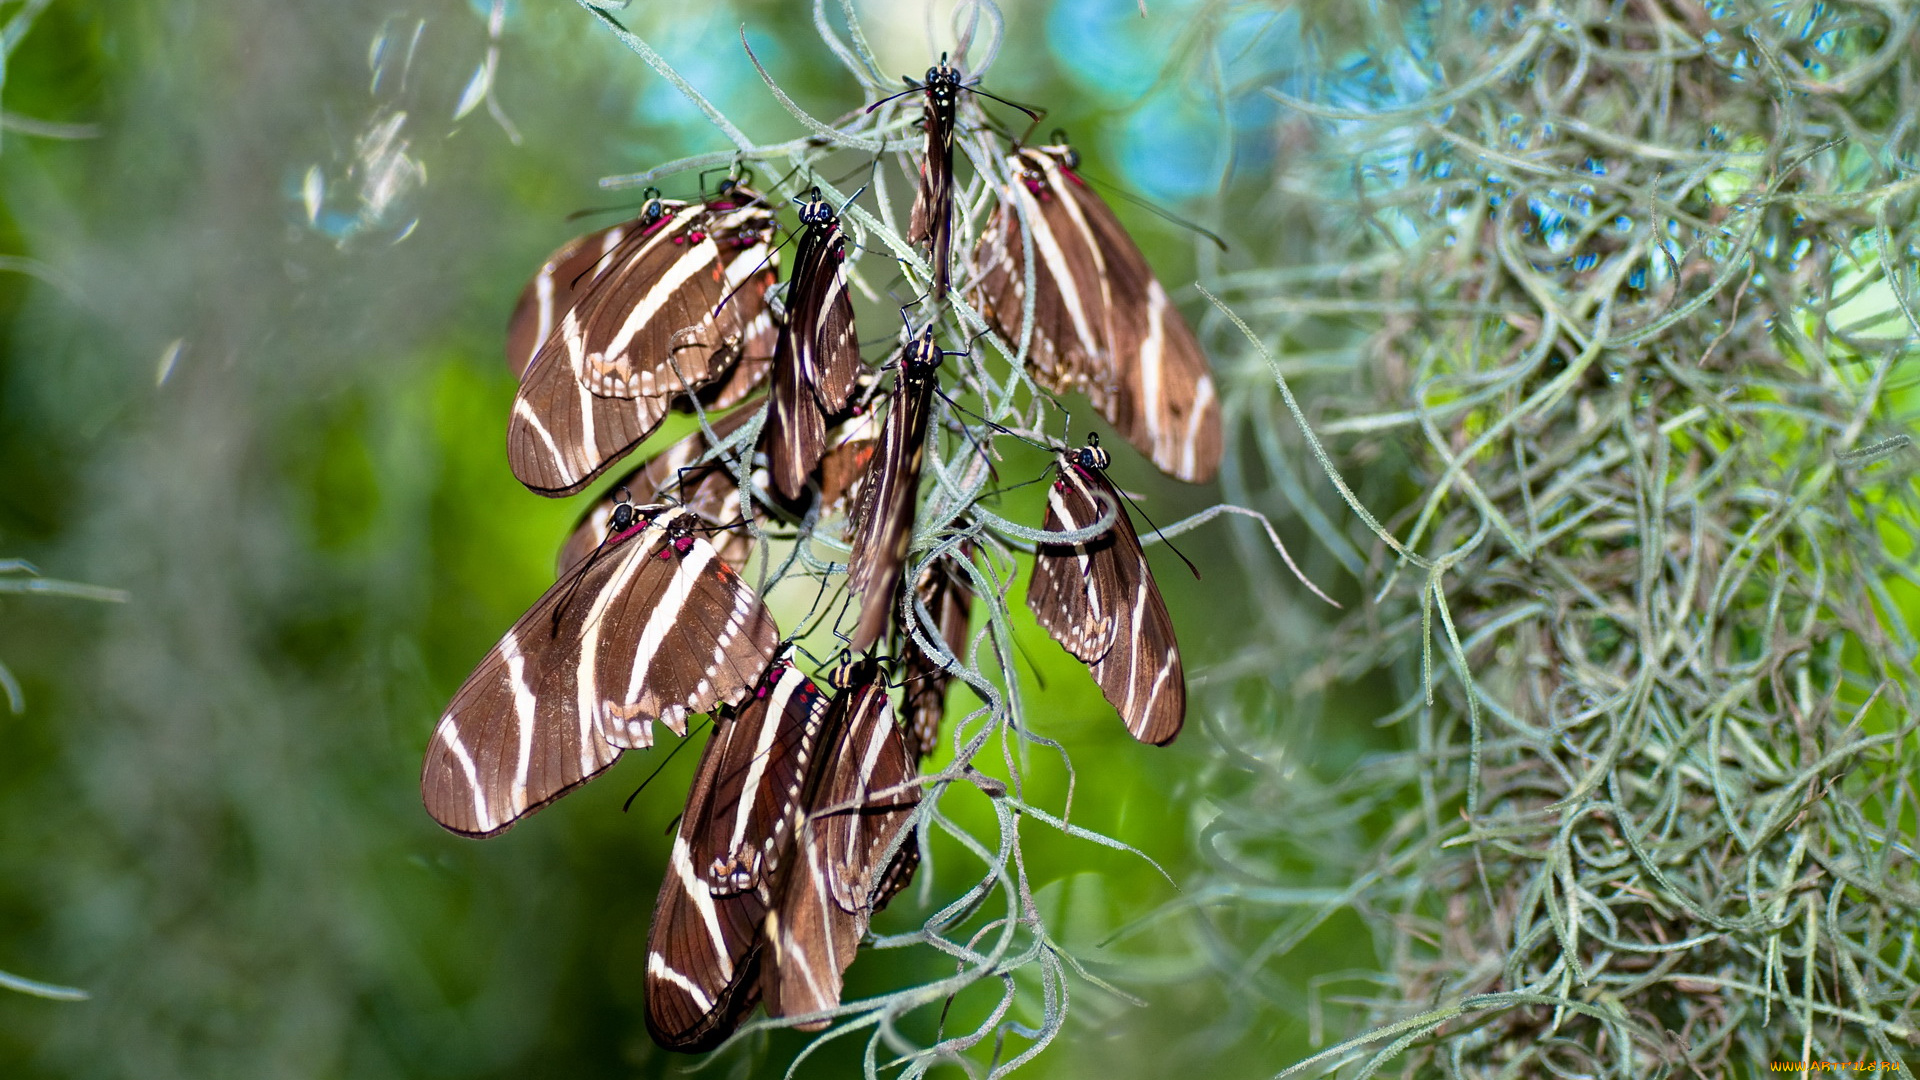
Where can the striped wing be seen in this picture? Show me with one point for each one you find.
(709, 490)
(1099, 601)
(850, 448)
(703, 949)
(1103, 325)
(945, 592)
(816, 358)
(932, 221)
(857, 799)
(566, 274)
(883, 517)
(655, 628)
(649, 329)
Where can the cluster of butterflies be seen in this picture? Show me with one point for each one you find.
(796, 827)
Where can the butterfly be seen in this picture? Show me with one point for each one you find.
(654, 626)
(816, 358)
(1098, 599)
(704, 947)
(858, 798)
(1102, 323)
(883, 515)
(630, 319)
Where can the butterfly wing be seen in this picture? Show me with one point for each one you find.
(565, 275)
(1099, 601)
(1068, 350)
(703, 948)
(708, 489)
(883, 517)
(655, 628)
(1161, 396)
(816, 358)
(858, 798)
(650, 329)
(932, 220)
(944, 591)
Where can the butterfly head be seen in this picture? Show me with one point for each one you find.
(943, 84)
(817, 212)
(923, 352)
(626, 518)
(653, 210)
(1090, 456)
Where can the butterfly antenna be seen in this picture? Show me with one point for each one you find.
(911, 87)
(668, 760)
(1155, 210)
(1034, 112)
(1156, 531)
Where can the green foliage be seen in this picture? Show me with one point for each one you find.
(1628, 294)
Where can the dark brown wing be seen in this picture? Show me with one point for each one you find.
(703, 948)
(932, 221)
(566, 274)
(650, 329)
(1103, 325)
(709, 490)
(1162, 394)
(656, 628)
(856, 801)
(1099, 601)
(816, 358)
(850, 448)
(1068, 350)
(945, 592)
(883, 517)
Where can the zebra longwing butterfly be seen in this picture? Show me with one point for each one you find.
(857, 798)
(708, 489)
(1099, 601)
(883, 516)
(943, 589)
(817, 357)
(667, 311)
(1102, 323)
(655, 626)
(932, 221)
(704, 947)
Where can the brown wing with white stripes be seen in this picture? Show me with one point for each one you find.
(703, 958)
(552, 292)
(651, 328)
(855, 803)
(1103, 325)
(708, 489)
(944, 590)
(817, 355)
(1078, 588)
(655, 627)
(883, 516)
(1162, 394)
(1068, 351)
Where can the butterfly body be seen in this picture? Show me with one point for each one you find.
(932, 219)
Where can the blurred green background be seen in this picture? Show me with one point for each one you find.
(277, 423)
